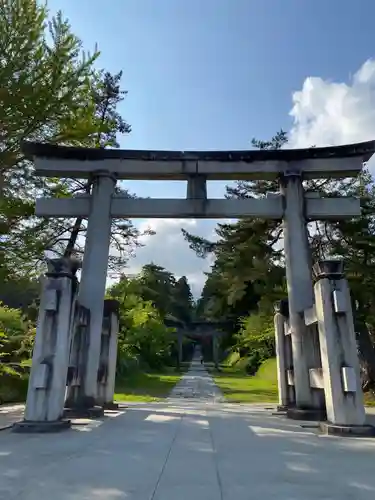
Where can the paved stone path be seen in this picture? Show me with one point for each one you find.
(197, 384)
(187, 448)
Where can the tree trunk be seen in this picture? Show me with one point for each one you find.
(76, 228)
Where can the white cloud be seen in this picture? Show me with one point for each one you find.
(330, 113)
(169, 249)
(324, 113)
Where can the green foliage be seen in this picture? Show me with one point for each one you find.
(256, 340)
(143, 338)
(107, 95)
(145, 303)
(146, 387)
(240, 388)
(183, 304)
(145, 334)
(50, 91)
(171, 297)
(22, 294)
(157, 286)
(16, 341)
(45, 95)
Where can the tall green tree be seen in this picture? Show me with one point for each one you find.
(169, 296)
(157, 286)
(44, 94)
(107, 95)
(143, 336)
(67, 237)
(183, 303)
(50, 91)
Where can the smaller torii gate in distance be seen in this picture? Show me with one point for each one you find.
(198, 330)
(292, 204)
(208, 330)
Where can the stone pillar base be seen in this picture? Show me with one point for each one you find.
(111, 406)
(282, 408)
(309, 414)
(28, 426)
(83, 407)
(84, 412)
(347, 430)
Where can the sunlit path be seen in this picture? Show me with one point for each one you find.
(197, 383)
(189, 447)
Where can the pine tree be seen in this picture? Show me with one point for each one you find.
(183, 300)
(49, 92)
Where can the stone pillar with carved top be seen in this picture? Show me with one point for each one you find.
(283, 355)
(75, 394)
(340, 365)
(47, 383)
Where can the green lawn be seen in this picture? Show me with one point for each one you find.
(369, 399)
(146, 387)
(261, 388)
(241, 388)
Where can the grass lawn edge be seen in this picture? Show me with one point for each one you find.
(238, 387)
(148, 386)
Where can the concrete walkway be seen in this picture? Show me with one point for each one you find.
(188, 448)
(10, 413)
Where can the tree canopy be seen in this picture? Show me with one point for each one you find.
(53, 91)
(50, 91)
(146, 302)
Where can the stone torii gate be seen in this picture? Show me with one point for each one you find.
(293, 205)
(198, 330)
(208, 330)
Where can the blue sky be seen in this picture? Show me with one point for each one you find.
(212, 74)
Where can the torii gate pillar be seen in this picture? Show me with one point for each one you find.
(94, 274)
(299, 282)
(215, 350)
(179, 347)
